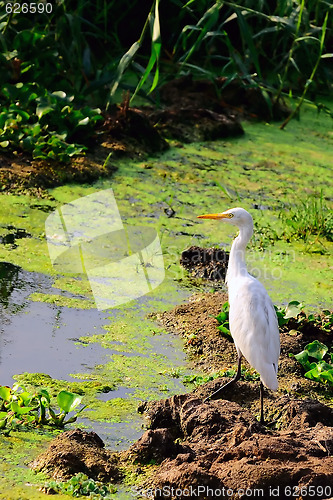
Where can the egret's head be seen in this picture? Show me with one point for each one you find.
(235, 216)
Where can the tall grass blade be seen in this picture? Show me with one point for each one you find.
(156, 47)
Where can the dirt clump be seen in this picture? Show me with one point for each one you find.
(206, 263)
(78, 451)
(221, 446)
(232, 99)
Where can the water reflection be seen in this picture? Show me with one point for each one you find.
(39, 337)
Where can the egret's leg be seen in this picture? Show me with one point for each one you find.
(262, 420)
(217, 393)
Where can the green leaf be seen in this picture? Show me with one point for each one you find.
(316, 349)
(123, 64)
(59, 93)
(20, 410)
(225, 331)
(43, 108)
(327, 375)
(4, 144)
(222, 317)
(303, 358)
(85, 121)
(68, 401)
(5, 392)
(293, 309)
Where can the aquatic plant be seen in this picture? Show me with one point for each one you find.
(43, 123)
(18, 407)
(284, 314)
(223, 319)
(81, 485)
(293, 317)
(318, 369)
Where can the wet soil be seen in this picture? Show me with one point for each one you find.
(221, 446)
(210, 351)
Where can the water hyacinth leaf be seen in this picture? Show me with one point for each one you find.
(44, 393)
(43, 108)
(20, 410)
(3, 421)
(316, 349)
(59, 93)
(25, 397)
(84, 121)
(222, 317)
(293, 309)
(321, 371)
(5, 392)
(68, 401)
(226, 332)
(327, 375)
(303, 358)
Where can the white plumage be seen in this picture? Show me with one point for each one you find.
(252, 318)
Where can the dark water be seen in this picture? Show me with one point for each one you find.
(43, 338)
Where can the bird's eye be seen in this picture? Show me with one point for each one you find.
(230, 216)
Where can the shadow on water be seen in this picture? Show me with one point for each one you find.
(39, 337)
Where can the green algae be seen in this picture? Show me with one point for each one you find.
(62, 301)
(17, 481)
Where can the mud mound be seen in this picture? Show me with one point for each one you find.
(195, 124)
(234, 100)
(78, 451)
(220, 446)
(207, 263)
(133, 130)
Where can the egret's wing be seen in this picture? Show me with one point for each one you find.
(254, 327)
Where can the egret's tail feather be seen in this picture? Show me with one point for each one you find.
(269, 378)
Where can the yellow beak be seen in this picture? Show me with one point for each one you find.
(214, 216)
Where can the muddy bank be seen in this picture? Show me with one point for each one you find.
(78, 451)
(206, 263)
(203, 450)
(220, 446)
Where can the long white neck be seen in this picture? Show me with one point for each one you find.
(237, 265)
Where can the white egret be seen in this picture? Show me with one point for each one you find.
(252, 317)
